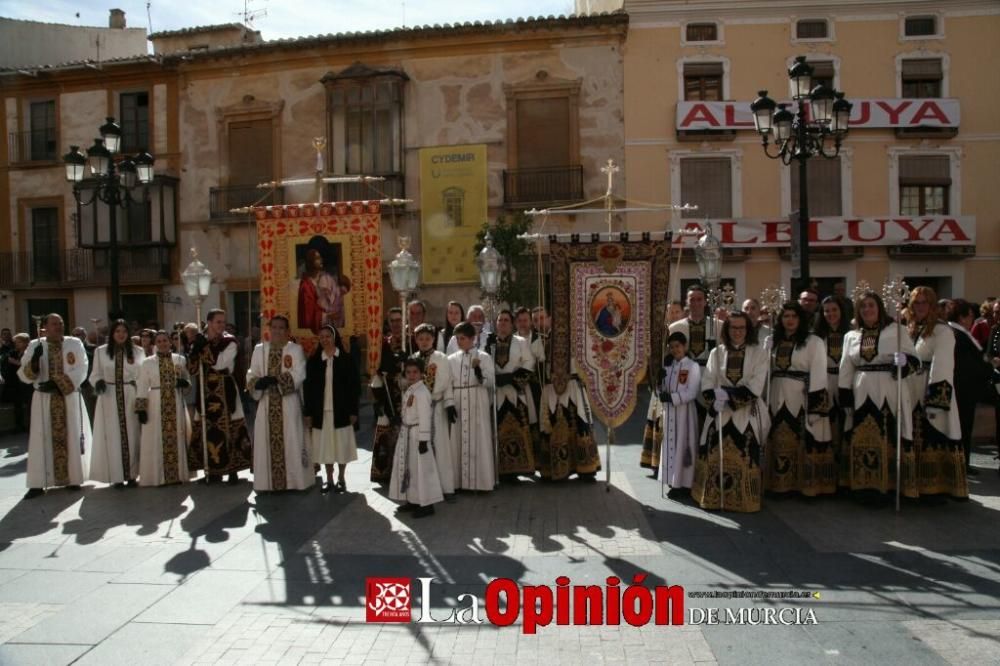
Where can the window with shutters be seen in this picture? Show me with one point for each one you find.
(42, 133)
(133, 108)
(921, 78)
(812, 29)
(703, 81)
(920, 26)
(701, 32)
(543, 142)
(824, 191)
(45, 252)
(924, 184)
(707, 182)
(365, 129)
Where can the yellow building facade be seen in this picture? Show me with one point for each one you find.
(914, 189)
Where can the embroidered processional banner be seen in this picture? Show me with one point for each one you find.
(322, 264)
(608, 300)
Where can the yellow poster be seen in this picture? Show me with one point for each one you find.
(453, 198)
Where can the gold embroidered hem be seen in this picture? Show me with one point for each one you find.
(383, 450)
(872, 452)
(940, 461)
(784, 456)
(168, 418)
(569, 447)
(741, 478)
(514, 439)
(652, 444)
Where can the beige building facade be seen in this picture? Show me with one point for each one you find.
(913, 191)
(544, 96)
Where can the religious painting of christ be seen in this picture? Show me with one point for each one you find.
(610, 311)
(323, 289)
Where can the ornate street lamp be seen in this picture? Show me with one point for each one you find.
(404, 273)
(801, 135)
(115, 187)
(197, 281)
(490, 265)
(708, 254)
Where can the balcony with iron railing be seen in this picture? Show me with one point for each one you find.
(542, 186)
(224, 199)
(393, 187)
(79, 267)
(36, 145)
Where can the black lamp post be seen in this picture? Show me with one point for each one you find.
(114, 187)
(822, 113)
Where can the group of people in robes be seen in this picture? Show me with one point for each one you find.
(493, 415)
(815, 406)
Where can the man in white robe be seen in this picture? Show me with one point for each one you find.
(472, 438)
(59, 439)
(281, 459)
(437, 377)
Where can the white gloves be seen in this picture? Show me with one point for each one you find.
(721, 395)
(813, 419)
(718, 406)
(899, 359)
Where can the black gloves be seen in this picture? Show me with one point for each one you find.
(143, 417)
(100, 386)
(479, 373)
(452, 414)
(36, 358)
(846, 398)
(47, 386)
(503, 378)
(183, 383)
(396, 420)
(200, 342)
(422, 448)
(265, 383)
(665, 397)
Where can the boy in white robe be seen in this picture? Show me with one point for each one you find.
(678, 394)
(415, 478)
(473, 444)
(437, 378)
(281, 460)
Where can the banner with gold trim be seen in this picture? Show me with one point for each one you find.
(608, 299)
(322, 264)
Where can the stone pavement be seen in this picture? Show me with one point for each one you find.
(196, 574)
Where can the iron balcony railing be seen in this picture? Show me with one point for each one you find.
(542, 185)
(37, 145)
(85, 267)
(224, 199)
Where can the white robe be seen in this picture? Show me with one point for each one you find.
(791, 392)
(442, 398)
(106, 460)
(417, 471)
(680, 423)
(472, 445)
(755, 364)
(297, 459)
(152, 471)
(41, 468)
(937, 356)
(518, 358)
(877, 386)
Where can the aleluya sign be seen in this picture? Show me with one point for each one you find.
(930, 230)
(867, 113)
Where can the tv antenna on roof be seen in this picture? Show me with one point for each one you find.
(250, 15)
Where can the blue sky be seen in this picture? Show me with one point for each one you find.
(285, 18)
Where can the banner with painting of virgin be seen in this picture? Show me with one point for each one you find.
(605, 296)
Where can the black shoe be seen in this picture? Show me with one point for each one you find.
(341, 486)
(234, 478)
(655, 474)
(451, 499)
(33, 493)
(132, 483)
(74, 487)
(326, 487)
(406, 508)
(120, 486)
(971, 471)
(213, 478)
(423, 511)
(588, 478)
